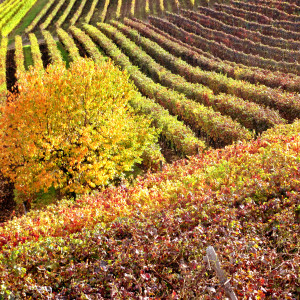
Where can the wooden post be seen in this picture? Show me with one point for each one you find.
(161, 165)
(213, 261)
(25, 210)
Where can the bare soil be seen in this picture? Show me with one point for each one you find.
(125, 10)
(10, 69)
(81, 49)
(7, 203)
(45, 55)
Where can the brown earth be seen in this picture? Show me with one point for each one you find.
(7, 202)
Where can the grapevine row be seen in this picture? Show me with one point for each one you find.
(87, 43)
(19, 55)
(286, 21)
(262, 18)
(222, 50)
(174, 39)
(288, 25)
(161, 5)
(251, 16)
(274, 13)
(55, 54)
(232, 20)
(104, 12)
(176, 35)
(182, 50)
(3, 52)
(267, 29)
(248, 114)
(78, 12)
(118, 11)
(243, 33)
(89, 15)
(52, 15)
(132, 8)
(13, 17)
(39, 16)
(173, 131)
(65, 14)
(220, 129)
(9, 14)
(35, 52)
(147, 7)
(69, 44)
(4, 5)
(193, 22)
(290, 8)
(8, 10)
(287, 104)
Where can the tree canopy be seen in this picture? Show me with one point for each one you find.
(72, 129)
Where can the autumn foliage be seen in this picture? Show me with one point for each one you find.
(148, 240)
(71, 129)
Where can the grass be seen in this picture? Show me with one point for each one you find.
(64, 53)
(27, 57)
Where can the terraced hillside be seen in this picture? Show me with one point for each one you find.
(41, 14)
(221, 81)
(150, 239)
(218, 76)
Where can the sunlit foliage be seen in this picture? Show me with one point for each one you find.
(72, 129)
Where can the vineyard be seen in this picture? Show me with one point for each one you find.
(221, 83)
(33, 15)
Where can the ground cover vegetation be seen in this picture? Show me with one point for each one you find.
(148, 240)
(220, 82)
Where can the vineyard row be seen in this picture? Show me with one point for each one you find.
(244, 45)
(173, 131)
(11, 14)
(273, 13)
(262, 20)
(288, 104)
(217, 49)
(190, 54)
(246, 113)
(289, 8)
(257, 37)
(221, 130)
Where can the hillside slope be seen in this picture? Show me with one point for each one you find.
(149, 239)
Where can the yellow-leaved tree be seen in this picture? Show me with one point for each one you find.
(71, 129)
